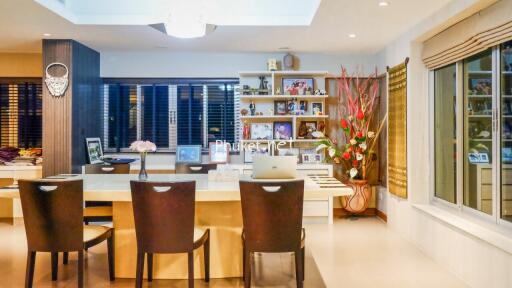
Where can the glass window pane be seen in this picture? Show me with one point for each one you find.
(155, 115)
(478, 132)
(506, 131)
(122, 115)
(445, 133)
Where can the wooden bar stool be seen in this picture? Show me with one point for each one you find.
(272, 219)
(189, 168)
(53, 215)
(101, 211)
(170, 207)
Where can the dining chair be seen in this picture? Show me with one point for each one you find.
(101, 211)
(272, 222)
(170, 206)
(53, 215)
(189, 168)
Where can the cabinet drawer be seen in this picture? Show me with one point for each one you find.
(316, 208)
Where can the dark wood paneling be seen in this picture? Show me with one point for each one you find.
(67, 120)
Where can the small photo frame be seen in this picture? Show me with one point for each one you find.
(94, 150)
(478, 158)
(249, 152)
(317, 108)
(311, 125)
(261, 131)
(188, 154)
(303, 105)
(298, 86)
(283, 130)
(280, 107)
(312, 158)
(219, 152)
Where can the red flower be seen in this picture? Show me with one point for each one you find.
(355, 163)
(359, 134)
(360, 115)
(346, 155)
(344, 124)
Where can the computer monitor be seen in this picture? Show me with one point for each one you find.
(274, 167)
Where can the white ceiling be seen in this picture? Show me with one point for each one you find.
(23, 23)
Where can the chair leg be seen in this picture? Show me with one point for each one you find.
(55, 265)
(29, 276)
(207, 259)
(247, 268)
(191, 269)
(65, 258)
(303, 254)
(150, 266)
(298, 268)
(140, 269)
(111, 257)
(80, 269)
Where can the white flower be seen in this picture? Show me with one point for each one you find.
(321, 147)
(359, 156)
(350, 118)
(353, 141)
(143, 146)
(371, 134)
(363, 146)
(332, 152)
(353, 172)
(318, 134)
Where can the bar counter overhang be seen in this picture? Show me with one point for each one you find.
(217, 207)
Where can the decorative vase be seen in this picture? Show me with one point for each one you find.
(358, 202)
(143, 175)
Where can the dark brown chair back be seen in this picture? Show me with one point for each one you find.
(189, 168)
(53, 214)
(164, 215)
(107, 169)
(272, 215)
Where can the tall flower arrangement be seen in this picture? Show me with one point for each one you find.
(357, 98)
(143, 147)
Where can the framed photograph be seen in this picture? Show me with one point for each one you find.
(317, 108)
(477, 158)
(188, 154)
(298, 86)
(312, 158)
(280, 107)
(310, 125)
(261, 131)
(481, 86)
(94, 150)
(260, 150)
(289, 152)
(283, 130)
(219, 153)
(303, 105)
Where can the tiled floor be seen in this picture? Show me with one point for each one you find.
(351, 253)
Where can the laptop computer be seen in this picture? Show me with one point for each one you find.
(274, 167)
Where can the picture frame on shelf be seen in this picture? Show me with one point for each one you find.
(261, 131)
(303, 105)
(94, 150)
(480, 86)
(283, 130)
(317, 108)
(219, 153)
(312, 158)
(280, 107)
(298, 86)
(250, 151)
(188, 154)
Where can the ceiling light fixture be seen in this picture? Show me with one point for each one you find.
(47, 34)
(383, 3)
(352, 35)
(187, 20)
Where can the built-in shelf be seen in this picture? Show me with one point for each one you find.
(479, 96)
(279, 97)
(289, 140)
(280, 73)
(282, 116)
(479, 72)
(480, 116)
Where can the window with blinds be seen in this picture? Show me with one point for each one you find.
(21, 113)
(179, 112)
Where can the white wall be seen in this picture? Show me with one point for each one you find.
(476, 262)
(167, 64)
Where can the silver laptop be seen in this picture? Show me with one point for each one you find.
(274, 167)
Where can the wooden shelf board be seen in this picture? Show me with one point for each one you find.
(277, 97)
(282, 116)
(280, 73)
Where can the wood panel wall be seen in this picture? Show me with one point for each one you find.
(68, 119)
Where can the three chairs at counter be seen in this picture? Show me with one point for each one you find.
(54, 216)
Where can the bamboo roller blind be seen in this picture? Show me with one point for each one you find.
(397, 130)
(489, 27)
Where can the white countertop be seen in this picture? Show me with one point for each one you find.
(101, 187)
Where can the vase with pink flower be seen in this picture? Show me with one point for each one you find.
(143, 147)
(354, 151)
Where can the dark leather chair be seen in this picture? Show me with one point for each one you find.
(101, 211)
(170, 207)
(53, 216)
(272, 219)
(189, 168)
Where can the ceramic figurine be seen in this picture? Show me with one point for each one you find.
(278, 91)
(244, 111)
(272, 64)
(323, 92)
(317, 92)
(252, 107)
(246, 131)
(288, 61)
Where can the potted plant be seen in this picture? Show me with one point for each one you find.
(357, 98)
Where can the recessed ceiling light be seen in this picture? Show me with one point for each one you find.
(383, 3)
(47, 34)
(352, 35)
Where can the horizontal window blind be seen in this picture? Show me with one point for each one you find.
(221, 108)
(122, 115)
(155, 114)
(21, 114)
(190, 114)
